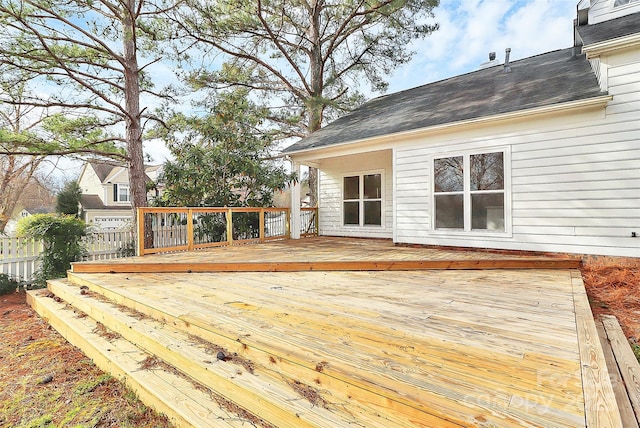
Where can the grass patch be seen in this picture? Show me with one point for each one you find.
(636, 350)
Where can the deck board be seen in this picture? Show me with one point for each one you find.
(481, 347)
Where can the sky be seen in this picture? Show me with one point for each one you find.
(469, 30)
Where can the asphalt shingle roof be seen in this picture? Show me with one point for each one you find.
(93, 202)
(608, 30)
(551, 78)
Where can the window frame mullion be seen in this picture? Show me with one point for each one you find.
(466, 191)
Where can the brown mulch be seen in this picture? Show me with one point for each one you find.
(615, 290)
(45, 381)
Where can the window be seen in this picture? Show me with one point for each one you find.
(617, 3)
(362, 200)
(469, 192)
(121, 193)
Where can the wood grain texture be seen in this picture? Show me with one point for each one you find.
(625, 360)
(622, 397)
(601, 407)
(471, 347)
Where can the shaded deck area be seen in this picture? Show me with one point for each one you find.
(497, 341)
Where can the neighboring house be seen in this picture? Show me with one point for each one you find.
(105, 200)
(541, 154)
(12, 224)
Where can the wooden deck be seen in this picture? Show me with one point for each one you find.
(323, 254)
(482, 345)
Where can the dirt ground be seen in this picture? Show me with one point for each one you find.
(46, 382)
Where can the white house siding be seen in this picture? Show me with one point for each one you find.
(575, 179)
(89, 182)
(332, 170)
(603, 10)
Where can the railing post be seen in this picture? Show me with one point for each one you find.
(294, 227)
(288, 224)
(229, 226)
(190, 238)
(262, 214)
(316, 221)
(140, 220)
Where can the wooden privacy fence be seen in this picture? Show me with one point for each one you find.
(19, 257)
(169, 229)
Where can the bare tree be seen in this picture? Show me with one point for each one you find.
(16, 171)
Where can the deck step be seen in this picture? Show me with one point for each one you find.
(166, 392)
(256, 389)
(349, 389)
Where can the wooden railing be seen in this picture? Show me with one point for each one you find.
(184, 229)
(308, 222)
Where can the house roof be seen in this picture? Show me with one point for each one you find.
(608, 30)
(542, 80)
(93, 202)
(40, 210)
(106, 170)
(103, 169)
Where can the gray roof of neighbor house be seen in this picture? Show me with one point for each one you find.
(542, 80)
(93, 202)
(609, 30)
(103, 168)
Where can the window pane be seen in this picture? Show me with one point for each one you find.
(487, 212)
(487, 171)
(448, 174)
(352, 213)
(449, 212)
(373, 213)
(123, 193)
(372, 187)
(352, 187)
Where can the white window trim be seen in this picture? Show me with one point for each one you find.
(361, 174)
(508, 211)
(623, 6)
(119, 185)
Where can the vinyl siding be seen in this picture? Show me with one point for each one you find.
(332, 171)
(603, 10)
(572, 178)
(575, 179)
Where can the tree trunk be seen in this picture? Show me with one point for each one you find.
(133, 131)
(315, 104)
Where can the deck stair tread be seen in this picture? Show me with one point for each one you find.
(361, 382)
(260, 394)
(189, 406)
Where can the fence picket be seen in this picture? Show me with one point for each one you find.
(19, 257)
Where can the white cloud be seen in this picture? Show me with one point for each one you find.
(470, 29)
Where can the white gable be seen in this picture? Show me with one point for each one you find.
(605, 10)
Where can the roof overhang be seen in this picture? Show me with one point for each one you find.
(571, 106)
(597, 49)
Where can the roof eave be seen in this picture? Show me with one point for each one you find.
(593, 102)
(597, 49)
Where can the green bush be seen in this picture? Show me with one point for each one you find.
(8, 285)
(62, 238)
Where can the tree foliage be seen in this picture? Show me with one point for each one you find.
(306, 58)
(68, 199)
(62, 239)
(81, 59)
(221, 158)
(17, 124)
